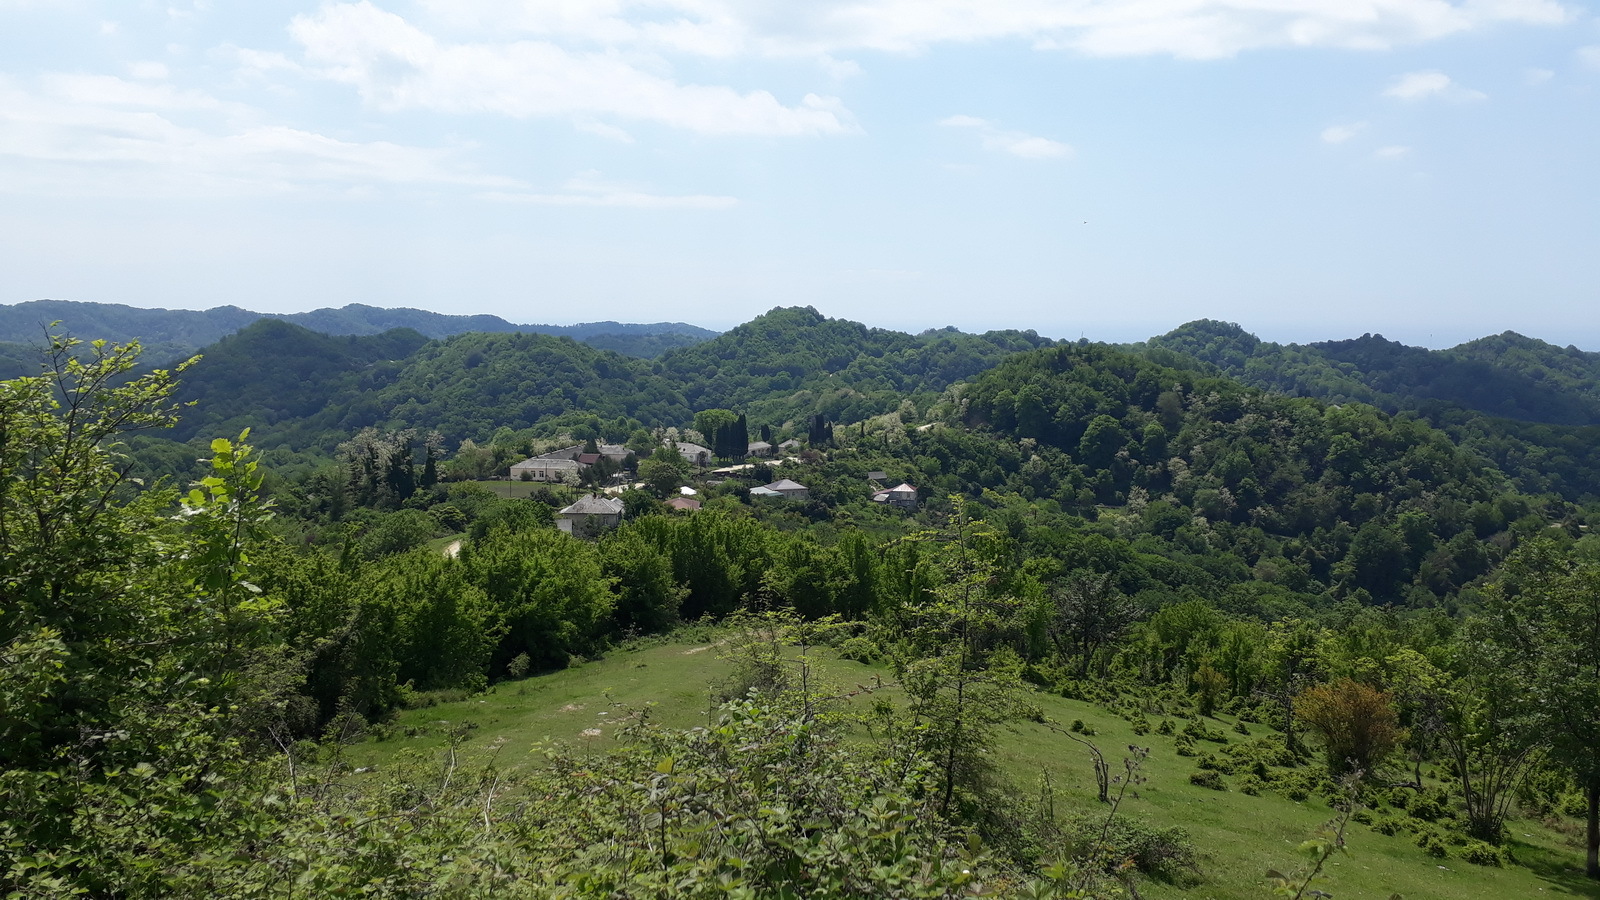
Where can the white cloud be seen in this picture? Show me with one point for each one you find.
(601, 129)
(839, 69)
(589, 189)
(1423, 85)
(1590, 56)
(1201, 29)
(1536, 77)
(1338, 134)
(150, 70)
(1391, 152)
(396, 65)
(1016, 143)
(83, 135)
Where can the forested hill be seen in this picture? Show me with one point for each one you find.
(1529, 407)
(1507, 376)
(795, 361)
(1303, 492)
(168, 333)
(274, 373)
(786, 365)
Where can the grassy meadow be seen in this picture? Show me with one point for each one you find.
(1239, 837)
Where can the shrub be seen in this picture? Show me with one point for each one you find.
(1388, 826)
(1208, 778)
(1251, 785)
(1481, 854)
(1357, 724)
(1165, 727)
(1430, 843)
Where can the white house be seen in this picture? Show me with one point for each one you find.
(546, 468)
(695, 454)
(589, 515)
(902, 495)
(759, 448)
(789, 490)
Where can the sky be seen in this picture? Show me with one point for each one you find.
(1428, 170)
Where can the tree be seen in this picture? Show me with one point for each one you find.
(1545, 612)
(127, 631)
(662, 472)
(1357, 723)
(1089, 613)
(950, 635)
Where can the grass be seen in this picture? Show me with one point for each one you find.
(1238, 836)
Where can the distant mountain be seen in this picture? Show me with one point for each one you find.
(1508, 376)
(170, 333)
(1530, 407)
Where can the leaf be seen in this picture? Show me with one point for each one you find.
(664, 767)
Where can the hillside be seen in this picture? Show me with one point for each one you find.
(168, 333)
(1528, 407)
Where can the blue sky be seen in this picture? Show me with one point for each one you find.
(1311, 169)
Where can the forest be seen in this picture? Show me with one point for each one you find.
(250, 601)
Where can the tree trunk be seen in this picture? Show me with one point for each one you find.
(1593, 867)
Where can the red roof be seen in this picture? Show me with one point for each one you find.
(588, 459)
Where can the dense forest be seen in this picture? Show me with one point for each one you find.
(1301, 573)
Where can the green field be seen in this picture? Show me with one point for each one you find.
(1239, 836)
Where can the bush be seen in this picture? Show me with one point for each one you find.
(1185, 746)
(1388, 826)
(1208, 778)
(1357, 724)
(1481, 854)
(1430, 843)
(1251, 785)
(1165, 727)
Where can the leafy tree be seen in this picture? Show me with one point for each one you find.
(1545, 612)
(1089, 614)
(127, 632)
(1357, 723)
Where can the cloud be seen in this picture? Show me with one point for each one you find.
(601, 129)
(839, 69)
(83, 135)
(1423, 85)
(1198, 29)
(1338, 134)
(1391, 152)
(150, 70)
(1590, 56)
(1536, 77)
(396, 65)
(589, 189)
(1016, 143)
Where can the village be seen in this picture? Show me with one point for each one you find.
(595, 512)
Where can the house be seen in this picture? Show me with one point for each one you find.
(617, 453)
(877, 476)
(789, 446)
(759, 448)
(695, 454)
(589, 516)
(902, 496)
(789, 490)
(547, 468)
(683, 504)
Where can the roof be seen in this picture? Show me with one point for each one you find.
(687, 491)
(791, 442)
(544, 462)
(684, 503)
(877, 476)
(764, 492)
(688, 447)
(588, 459)
(590, 505)
(902, 487)
(758, 445)
(786, 485)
